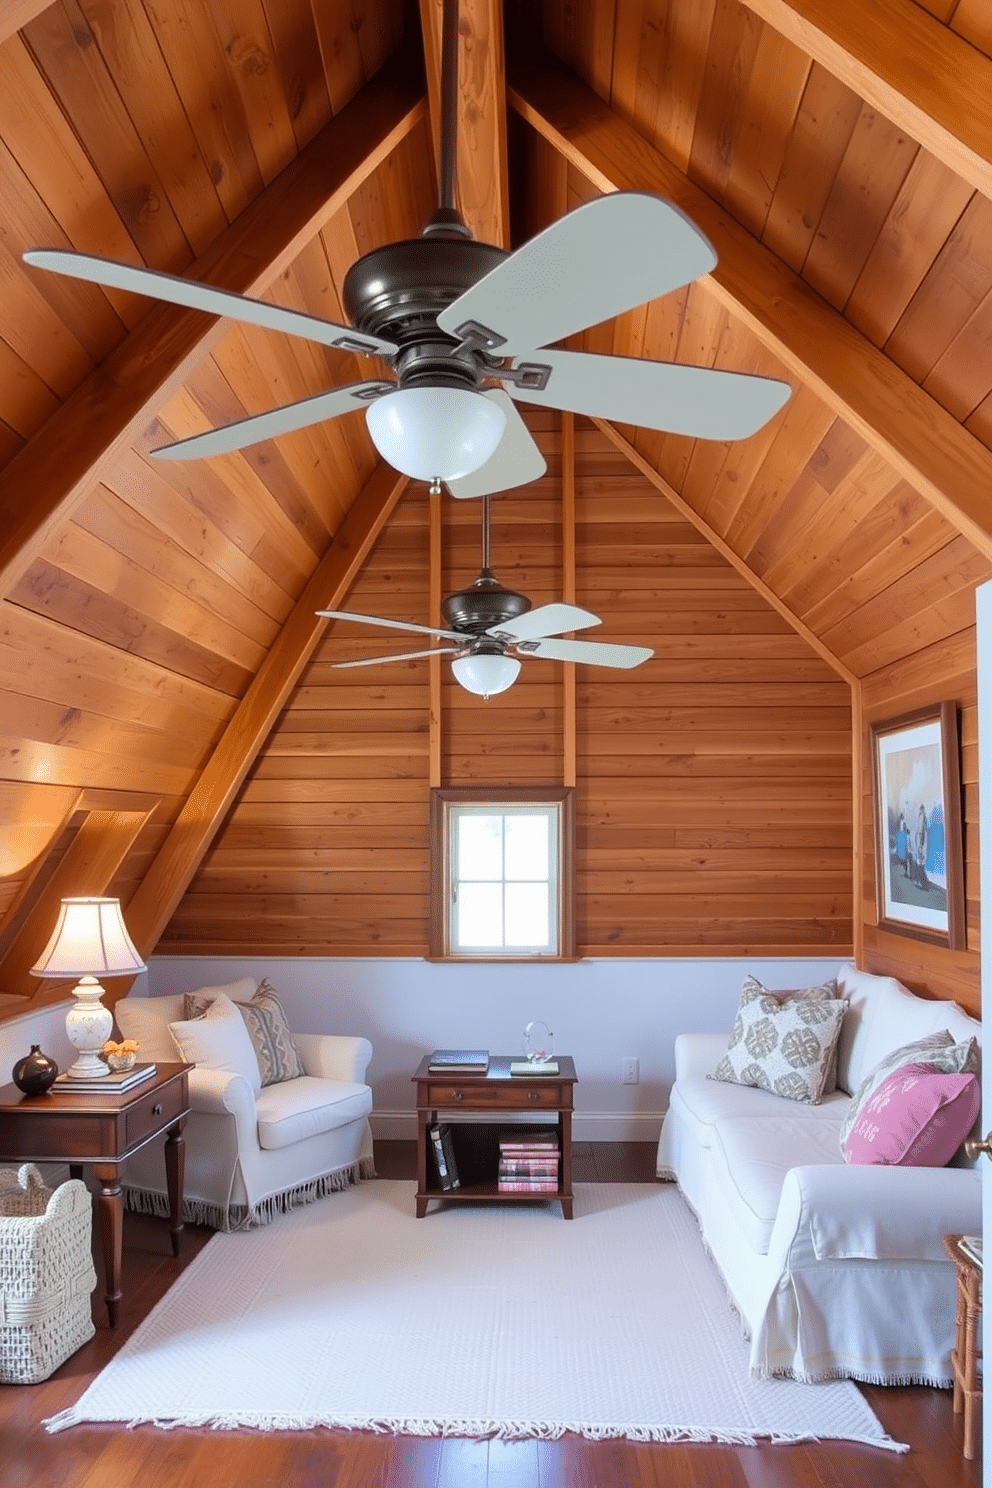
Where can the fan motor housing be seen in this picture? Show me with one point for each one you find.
(399, 290)
(485, 604)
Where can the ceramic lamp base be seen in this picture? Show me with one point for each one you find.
(88, 1025)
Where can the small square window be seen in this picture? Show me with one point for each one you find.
(502, 874)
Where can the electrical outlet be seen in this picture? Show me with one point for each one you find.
(630, 1070)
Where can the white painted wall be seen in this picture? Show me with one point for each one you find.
(600, 1011)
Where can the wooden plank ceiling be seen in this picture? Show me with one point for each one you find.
(156, 618)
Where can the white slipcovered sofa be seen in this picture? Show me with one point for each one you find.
(836, 1270)
(253, 1150)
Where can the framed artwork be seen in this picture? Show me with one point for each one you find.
(919, 866)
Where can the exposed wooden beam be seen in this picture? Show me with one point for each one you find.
(724, 549)
(917, 72)
(15, 15)
(928, 447)
(88, 866)
(59, 466)
(160, 891)
(481, 169)
(569, 738)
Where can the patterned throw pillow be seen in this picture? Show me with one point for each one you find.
(938, 1050)
(918, 1117)
(269, 1031)
(785, 1042)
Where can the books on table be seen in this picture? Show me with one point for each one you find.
(528, 1164)
(444, 1156)
(534, 1067)
(112, 1083)
(459, 1062)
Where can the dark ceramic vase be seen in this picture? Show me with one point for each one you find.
(35, 1073)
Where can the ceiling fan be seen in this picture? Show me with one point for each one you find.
(467, 331)
(493, 627)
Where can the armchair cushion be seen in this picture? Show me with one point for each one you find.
(305, 1107)
(268, 1028)
(219, 1040)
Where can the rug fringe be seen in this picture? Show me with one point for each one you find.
(467, 1428)
(236, 1217)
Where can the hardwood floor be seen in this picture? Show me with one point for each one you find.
(108, 1457)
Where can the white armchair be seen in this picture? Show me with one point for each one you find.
(254, 1150)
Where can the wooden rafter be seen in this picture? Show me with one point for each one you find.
(15, 15)
(898, 58)
(924, 443)
(481, 168)
(55, 470)
(169, 875)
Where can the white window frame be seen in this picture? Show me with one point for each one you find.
(448, 807)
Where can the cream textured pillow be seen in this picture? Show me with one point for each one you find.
(268, 1028)
(219, 1040)
(937, 1050)
(784, 1042)
(752, 989)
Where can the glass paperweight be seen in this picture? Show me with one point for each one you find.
(539, 1043)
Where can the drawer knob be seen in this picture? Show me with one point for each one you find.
(532, 1095)
(157, 1109)
(456, 1095)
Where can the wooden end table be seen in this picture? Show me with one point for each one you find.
(545, 1098)
(86, 1129)
(966, 1354)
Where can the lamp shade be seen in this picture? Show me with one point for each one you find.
(435, 433)
(486, 675)
(89, 939)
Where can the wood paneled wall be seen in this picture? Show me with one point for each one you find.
(937, 674)
(713, 783)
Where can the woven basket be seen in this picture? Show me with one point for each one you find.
(46, 1274)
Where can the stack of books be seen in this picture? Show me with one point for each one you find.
(459, 1062)
(528, 1164)
(444, 1156)
(112, 1083)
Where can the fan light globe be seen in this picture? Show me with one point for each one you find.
(486, 675)
(435, 433)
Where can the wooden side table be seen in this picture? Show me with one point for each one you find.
(100, 1131)
(965, 1354)
(497, 1092)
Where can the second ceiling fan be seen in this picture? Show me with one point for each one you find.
(467, 331)
(491, 628)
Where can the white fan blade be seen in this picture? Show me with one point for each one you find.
(202, 297)
(605, 257)
(516, 462)
(702, 402)
(446, 635)
(595, 653)
(404, 656)
(278, 421)
(546, 620)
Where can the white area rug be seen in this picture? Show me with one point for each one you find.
(476, 1320)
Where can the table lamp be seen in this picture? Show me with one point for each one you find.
(90, 940)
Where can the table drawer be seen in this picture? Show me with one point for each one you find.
(155, 1111)
(482, 1096)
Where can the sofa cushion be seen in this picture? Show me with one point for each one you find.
(294, 1109)
(936, 1049)
(755, 1155)
(783, 1044)
(882, 1015)
(917, 1117)
(753, 990)
(268, 1028)
(701, 1103)
(219, 1040)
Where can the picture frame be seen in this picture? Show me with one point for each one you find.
(919, 860)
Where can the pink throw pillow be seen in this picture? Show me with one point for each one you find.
(918, 1117)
